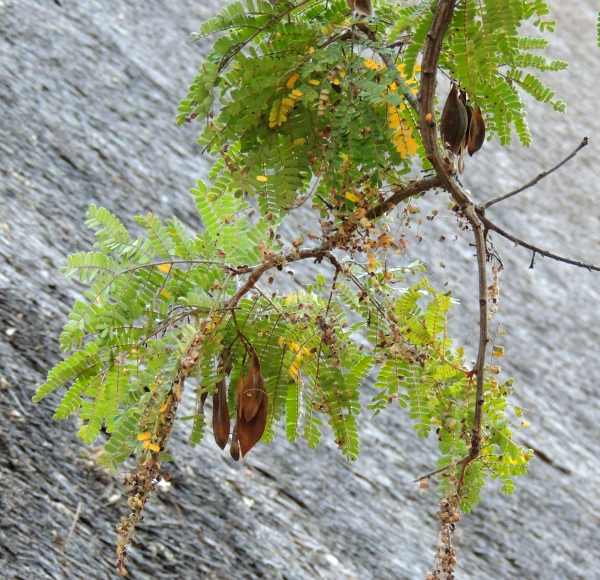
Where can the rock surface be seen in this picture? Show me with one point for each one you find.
(88, 92)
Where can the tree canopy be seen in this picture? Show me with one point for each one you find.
(324, 104)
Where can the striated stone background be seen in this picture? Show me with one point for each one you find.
(88, 92)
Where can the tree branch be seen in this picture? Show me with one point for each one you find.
(479, 235)
(535, 249)
(402, 194)
(539, 177)
(441, 21)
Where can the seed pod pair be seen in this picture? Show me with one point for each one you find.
(462, 127)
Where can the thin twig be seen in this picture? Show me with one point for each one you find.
(236, 49)
(539, 177)
(73, 526)
(338, 269)
(303, 198)
(434, 472)
(535, 249)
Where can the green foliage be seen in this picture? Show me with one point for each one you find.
(493, 63)
(138, 315)
(301, 104)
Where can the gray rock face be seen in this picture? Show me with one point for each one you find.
(88, 92)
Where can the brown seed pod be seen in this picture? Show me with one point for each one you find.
(234, 448)
(252, 406)
(253, 390)
(220, 411)
(454, 121)
(250, 432)
(220, 415)
(476, 134)
(463, 145)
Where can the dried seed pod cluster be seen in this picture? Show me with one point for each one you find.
(462, 126)
(251, 409)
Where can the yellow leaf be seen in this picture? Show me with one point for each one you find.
(371, 262)
(294, 370)
(352, 196)
(385, 240)
(297, 93)
(262, 178)
(314, 82)
(336, 82)
(498, 351)
(371, 64)
(403, 139)
(145, 436)
(292, 81)
(311, 50)
(166, 294)
(165, 268)
(291, 299)
(394, 118)
(299, 141)
(151, 446)
(277, 115)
